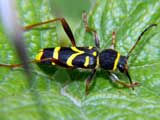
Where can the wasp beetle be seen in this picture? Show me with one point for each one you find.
(86, 57)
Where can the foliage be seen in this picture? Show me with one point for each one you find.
(62, 95)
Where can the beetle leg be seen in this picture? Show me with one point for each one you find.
(64, 23)
(113, 40)
(88, 29)
(115, 79)
(56, 61)
(88, 81)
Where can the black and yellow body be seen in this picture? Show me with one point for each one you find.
(85, 57)
(70, 57)
(90, 57)
(81, 57)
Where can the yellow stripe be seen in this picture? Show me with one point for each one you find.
(39, 55)
(94, 53)
(90, 47)
(56, 53)
(86, 61)
(97, 62)
(116, 61)
(73, 56)
(76, 50)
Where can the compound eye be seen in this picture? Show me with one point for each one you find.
(121, 68)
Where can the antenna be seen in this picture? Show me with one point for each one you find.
(139, 38)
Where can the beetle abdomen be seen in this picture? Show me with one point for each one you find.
(76, 57)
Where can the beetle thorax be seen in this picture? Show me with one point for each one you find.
(109, 59)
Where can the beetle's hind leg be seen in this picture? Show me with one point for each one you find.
(115, 79)
(88, 29)
(65, 26)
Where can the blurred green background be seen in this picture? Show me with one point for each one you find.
(71, 9)
(62, 95)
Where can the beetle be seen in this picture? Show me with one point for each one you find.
(90, 57)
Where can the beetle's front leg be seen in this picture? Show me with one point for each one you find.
(115, 79)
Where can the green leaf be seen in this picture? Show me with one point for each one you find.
(62, 95)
